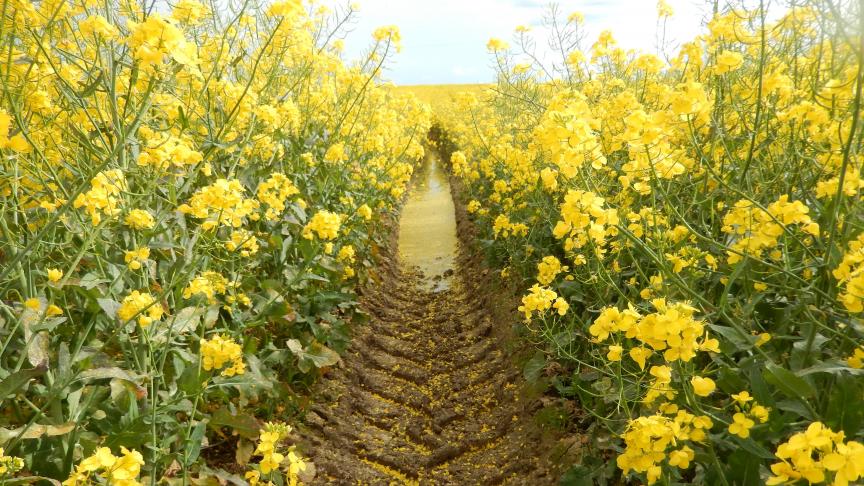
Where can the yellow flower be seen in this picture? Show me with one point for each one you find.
(189, 11)
(741, 425)
(284, 8)
(639, 355)
(496, 45)
(17, 142)
(682, 457)
(274, 192)
(728, 61)
(244, 241)
(336, 153)
(742, 398)
(561, 306)
(33, 304)
(120, 470)
(325, 224)
(614, 353)
(814, 452)
(97, 25)
(365, 212)
(104, 196)
(135, 258)
(9, 465)
(219, 351)
(157, 38)
(140, 304)
(760, 413)
(702, 386)
(139, 219)
(663, 9)
(548, 269)
(540, 299)
(388, 33)
(856, 360)
(208, 284)
(54, 275)
(221, 203)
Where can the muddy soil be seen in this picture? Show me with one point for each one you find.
(427, 394)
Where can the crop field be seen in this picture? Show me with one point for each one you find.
(230, 253)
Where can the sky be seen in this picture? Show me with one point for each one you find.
(444, 41)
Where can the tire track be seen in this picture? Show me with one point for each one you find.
(425, 394)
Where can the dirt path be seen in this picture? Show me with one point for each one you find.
(425, 394)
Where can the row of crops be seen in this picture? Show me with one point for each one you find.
(189, 195)
(686, 230)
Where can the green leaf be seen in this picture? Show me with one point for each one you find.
(193, 444)
(244, 424)
(109, 306)
(789, 383)
(739, 341)
(316, 354)
(832, 367)
(90, 281)
(18, 379)
(752, 447)
(35, 431)
(534, 366)
(576, 476)
(321, 356)
(29, 480)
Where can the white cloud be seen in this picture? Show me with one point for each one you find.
(444, 41)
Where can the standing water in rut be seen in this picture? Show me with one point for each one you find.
(427, 230)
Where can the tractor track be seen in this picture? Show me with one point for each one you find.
(426, 393)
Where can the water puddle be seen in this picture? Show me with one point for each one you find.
(427, 230)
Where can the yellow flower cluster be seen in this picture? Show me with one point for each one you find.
(120, 470)
(856, 359)
(672, 329)
(284, 8)
(140, 304)
(649, 438)
(850, 275)
(209, 284)
(244, 241)
(189, 11)
(325, 224)
(157, 38)
(104, 197)
(585, 219)
(54, 275)
(541, 299)
(135, 258)
(168, 151)
(139, 219)
(274, 192)
(271, 458)
(17, 142)
(746, 412)
(218, 352)
(365, 212)
(388, 33)
(815, 454)
(221, 203)
(757, 230)
(9, 464)
(504, 228)
(549, 268)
